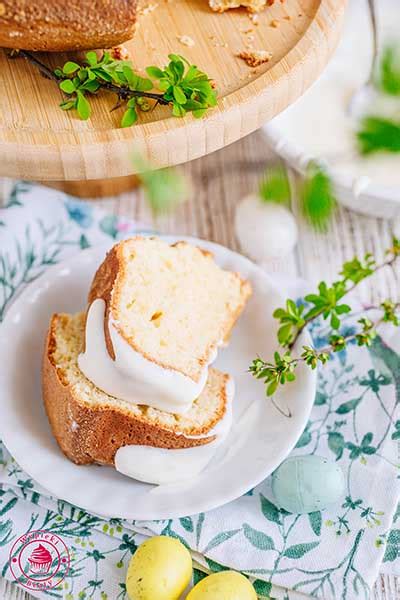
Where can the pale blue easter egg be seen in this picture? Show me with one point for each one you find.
(304, 484)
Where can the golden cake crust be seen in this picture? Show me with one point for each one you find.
(59, 25)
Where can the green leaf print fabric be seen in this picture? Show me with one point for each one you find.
(336, 554)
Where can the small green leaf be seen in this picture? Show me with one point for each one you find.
(348, 406)
(318, 197)
(367, 439)
(144, 85)
(198, 576)
(70, 67)
(336, 443)
(275, 187)
(269, 510)
(178, 110)
(284, 333)
(219, 539)
(91, 58)
(377, 134)
(82, 106)
(320, 399)
(389, 75)
(391, 553)
(155, 72)
(10, 504)
(394, 537)
(299, 550)
(272, 387)
(315, 519)
(90, 86)
(179, 95)
(304, 439)
(263, 588)
(258, 539)
(68, 104)
(199, 113)
(129, 118)
(67, 86)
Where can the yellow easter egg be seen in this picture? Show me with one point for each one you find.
(161, 569)
(226, 585)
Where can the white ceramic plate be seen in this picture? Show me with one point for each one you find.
(260, 439)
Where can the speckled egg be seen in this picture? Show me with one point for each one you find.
(161, 569)
(226, 585)
(305, 484)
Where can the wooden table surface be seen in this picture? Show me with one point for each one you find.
(219, 181)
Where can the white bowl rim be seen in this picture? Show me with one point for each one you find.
(291, 152)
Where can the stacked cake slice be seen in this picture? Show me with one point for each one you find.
(134, 370)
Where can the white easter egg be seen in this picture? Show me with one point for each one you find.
(304, 484)
(265, 230)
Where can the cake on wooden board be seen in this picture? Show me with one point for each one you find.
(171, 303)
(59, 25)
(90, 426)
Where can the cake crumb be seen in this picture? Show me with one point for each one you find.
(274, 23)
(254, 18)
(186, 40)
(2, 9)
(119, 53)
(145, 10)
(255, 58)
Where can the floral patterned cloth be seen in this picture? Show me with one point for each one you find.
(336, 554)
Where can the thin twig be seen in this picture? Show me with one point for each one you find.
(123, 92)
(348, 338)
(388, 263)
(44, 69)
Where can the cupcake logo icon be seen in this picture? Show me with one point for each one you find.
(39, 560)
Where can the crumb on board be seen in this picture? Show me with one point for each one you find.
(216, 43)
(274, 23)
(253, 6)
(147, 9)
(254, 18)
(255, 58)
(119, 53)
(186, 40)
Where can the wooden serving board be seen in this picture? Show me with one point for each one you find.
(39, 141)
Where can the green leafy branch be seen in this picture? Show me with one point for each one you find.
(327, 303)
(181, 85)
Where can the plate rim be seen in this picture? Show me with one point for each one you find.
(212, 503)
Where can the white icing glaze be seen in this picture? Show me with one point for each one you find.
(130, 376)
(160, 466)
